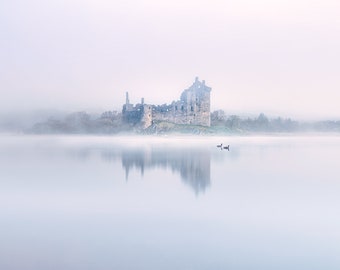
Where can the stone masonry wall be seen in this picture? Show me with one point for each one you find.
(193, 108)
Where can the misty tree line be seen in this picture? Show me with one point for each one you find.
(262, 123)
(111, 122)
(258, 124)
(81, 122)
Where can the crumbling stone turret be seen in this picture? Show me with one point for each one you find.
(193, 108)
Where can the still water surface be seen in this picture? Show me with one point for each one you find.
(73, 202)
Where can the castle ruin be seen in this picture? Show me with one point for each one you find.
(193, 108)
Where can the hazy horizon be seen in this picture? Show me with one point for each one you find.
(276, 57)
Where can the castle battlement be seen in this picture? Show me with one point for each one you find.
(193, 108)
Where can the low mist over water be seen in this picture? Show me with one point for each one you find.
(81, 202)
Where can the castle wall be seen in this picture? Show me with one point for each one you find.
(193, 108)
(146, 118)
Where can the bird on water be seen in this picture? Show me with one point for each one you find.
(223, 147)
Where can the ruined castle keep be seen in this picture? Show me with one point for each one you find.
(193, 108)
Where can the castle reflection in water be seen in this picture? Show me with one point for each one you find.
(193, 165)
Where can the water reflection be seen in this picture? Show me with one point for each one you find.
(64, 202)
(192, 165)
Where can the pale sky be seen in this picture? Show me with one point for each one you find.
(272, 56)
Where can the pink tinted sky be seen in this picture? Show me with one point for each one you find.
(276, 57)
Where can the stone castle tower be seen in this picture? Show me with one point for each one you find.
(193, 108)
(196, 104)
(140, 114)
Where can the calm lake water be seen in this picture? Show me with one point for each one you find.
(74, 202)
